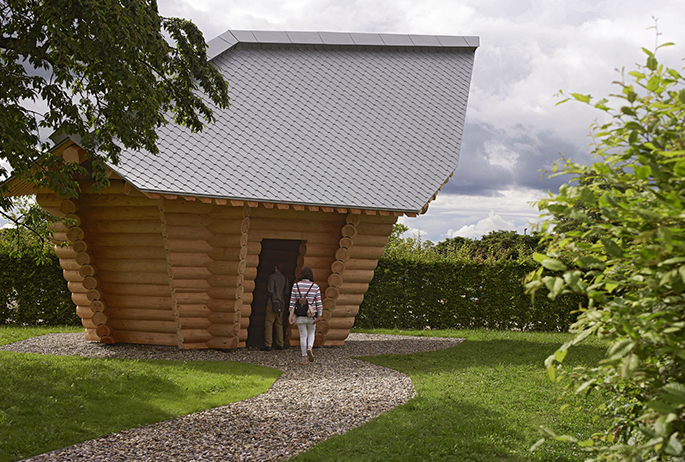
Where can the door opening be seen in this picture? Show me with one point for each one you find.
(273, 251)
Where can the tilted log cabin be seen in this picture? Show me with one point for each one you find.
(330, 137)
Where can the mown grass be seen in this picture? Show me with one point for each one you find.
(49, 402)
(483, 400)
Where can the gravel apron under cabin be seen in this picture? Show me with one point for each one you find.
(330, 137)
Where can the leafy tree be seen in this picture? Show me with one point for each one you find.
(626, 253)
(106, 72)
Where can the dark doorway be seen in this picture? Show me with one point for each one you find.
(273, 251)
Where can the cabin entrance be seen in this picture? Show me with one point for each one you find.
(273, 251)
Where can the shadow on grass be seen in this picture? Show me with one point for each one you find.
(52, 402)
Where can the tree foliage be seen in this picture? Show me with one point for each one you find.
(626, 254)
(105, 72)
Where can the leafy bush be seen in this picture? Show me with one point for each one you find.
(626, 253)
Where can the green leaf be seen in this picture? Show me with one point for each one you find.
(552, 373)
(589, 262)
(553, 264)
(612, 248)
(581, 98)
(539, 257)
(660, 406)
(643, 172)
(559, 355)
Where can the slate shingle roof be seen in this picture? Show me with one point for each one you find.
(376, 118)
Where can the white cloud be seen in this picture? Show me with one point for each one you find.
(491, 223)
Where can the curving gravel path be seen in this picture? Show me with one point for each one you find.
(307, 404)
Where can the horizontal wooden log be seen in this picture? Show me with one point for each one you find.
(91, 335)
(189, 272)
(371, 241)
(69, 206)
(132, 277)
(271, 214)
(322, 250)
(99, 318)
(66, 252)
(189, 245)
(318, 262)
(179, 260)
(332, 292)
(223, 343)
(115, 200)
(88, 323)
(191, 284)
(87, 270)
(83, 258)
(188, 310)
(227, 212)
(72, 276)
(193, 335)
(143, 253)
(126, 240)
(194, 323)
(328, 304)
(103, 330)
(135, 314)
(152, 290)
(345, 311)
(150, 213)
(75, 234)
(353, 219)
(328, 342)
(244, 322)
(225, 306)
(188, 232)
(228, 253)
(49, 200)
(302, 225)
(341, 323)
(187, 219)
(143, 325)
(337, 334)
(358, 276)
(184, 206)
(238, 226)
(360, 264)
(372, 253)
(349, 299)
(132, 265)
(353, 288)
(76, 287)
(225, 293)
(228, 267)
(229, 241)
(80, 299)
(374, 229)
(225, 318)
(125, 227)
(335, 280)
(242, 336)
(69, 264)
(145, 338)
(193, 298)
(310, 236)
(225, 330)
(139, 301)
(349, 231)
(245, 310)
(224, 280)
(322, 326)
(98, 305)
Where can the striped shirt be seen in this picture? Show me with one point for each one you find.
(314, 296)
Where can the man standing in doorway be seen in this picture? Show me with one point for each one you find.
(277, 287)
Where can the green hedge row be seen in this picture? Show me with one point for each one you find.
(34, 294)
(411, 294)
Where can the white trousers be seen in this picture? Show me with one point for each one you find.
(307, 329)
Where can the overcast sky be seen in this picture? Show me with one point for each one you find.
(530, 49)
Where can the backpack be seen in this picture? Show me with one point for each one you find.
(302, 307)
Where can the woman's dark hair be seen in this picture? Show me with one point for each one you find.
(306, 273)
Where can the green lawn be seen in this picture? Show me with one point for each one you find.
(49, 402)
(480, 401)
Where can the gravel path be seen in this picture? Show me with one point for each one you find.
(307, 404)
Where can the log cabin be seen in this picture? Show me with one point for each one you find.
(330, 137)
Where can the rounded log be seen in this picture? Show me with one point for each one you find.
(318, 262)
(141, 314)
(193, 323)
(335, 280)
(98, 305)
(115, 200)
(194, 284)
(225, 318)
(372, 253)
(132, 265)
(333, 342)
(83, 258)
(69, 264)
(223, 280)
(94, 294)
(187, 219)
(186, 336)
(372, 241)
(352, 219)
(337, 334)
(229, 240)
(145, 253)
(126, 240)
(145, 338)
(80, 299)
(228, 267)
(374, 229)
(193, 298)
(345, 311)
(193, 346)
(139, 301)
(75, 234)
(179, 260)
(72, 276)
(188, 245)
(245, 311)
(224, 343)
(140, 325)
(249, 286)
(354, 288)
(225, 330)
(189, 272)
(244, 322)
(311, 236)
(103, 330)
(80, 246)
(225, 293)
(242, 336)
(342, 254)
(184, 206)
(318, 339)
(91, 335)
(76, 287)
(68, 206)
(322, 326)
(194, 311)
(332, 292)
(298, 224)
(73, 219)
(329, 304)
(124, 213)
(48, 200)
(230, 226)
(226, 212)
(126, 226)
(228, 253)
(133, 278)
(321, 250)
(88, 323)
(59, 227)
(349, 231)
(341, 323)
(99, 318)
(221, 306)
(359, 276)
(151, 290)
(360, 264)
(60, 239)
(109, 340)
(349, 299)
(65, 252)
(338, 267)
(87, 270)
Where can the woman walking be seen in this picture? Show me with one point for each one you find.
(306, 318)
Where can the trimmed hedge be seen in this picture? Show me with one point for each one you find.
(412, 294)
(34, 294)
